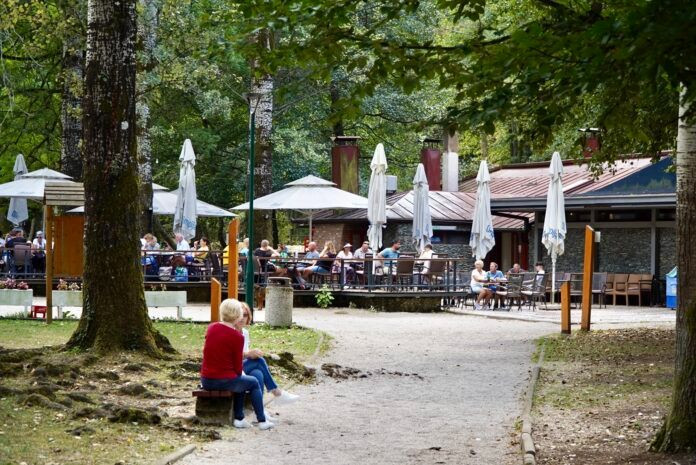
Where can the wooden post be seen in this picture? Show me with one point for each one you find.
(565, 308)
(215, 300)
(232, 259)
(48, 224)
(588, 268)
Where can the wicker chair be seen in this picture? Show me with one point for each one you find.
(619, 288)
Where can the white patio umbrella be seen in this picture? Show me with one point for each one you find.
(482, 238)
(17, 211)
(31, 185)
(555, 230)
(377, 198)
(422, 223)
(185, 213)
(307, 195)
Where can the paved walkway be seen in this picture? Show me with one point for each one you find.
(474, 372)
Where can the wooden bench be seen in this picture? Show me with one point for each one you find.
(214, 406)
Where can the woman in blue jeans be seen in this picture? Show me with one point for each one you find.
(222, 370)
(255, 365)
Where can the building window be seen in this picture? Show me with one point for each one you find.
(623, 215)
(666, 214)
(450, 237)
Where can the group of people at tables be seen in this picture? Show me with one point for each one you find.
(37, 248)
(180, 255)
(487, 284)
(230, 364)
(332, 261)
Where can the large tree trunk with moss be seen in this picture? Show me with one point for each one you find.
(262, 89)
(147, 40)
(679, 431)
(114, 316)
(71, 108)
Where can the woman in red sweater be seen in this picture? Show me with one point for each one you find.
(221, 369)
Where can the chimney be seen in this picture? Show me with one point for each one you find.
(591, 141)
(431, 159)
(450, 162)
(344, 163)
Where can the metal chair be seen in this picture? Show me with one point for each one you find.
(20, 258)
(404, 270)
(536, 290)
(512, 290)
(599, 287)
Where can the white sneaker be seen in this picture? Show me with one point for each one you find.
(286, 398)
(477, 306)
(264, 425)
(270, 417)
(242, 424)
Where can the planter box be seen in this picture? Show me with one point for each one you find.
(62, 299)
(19, 298)
(167, 299)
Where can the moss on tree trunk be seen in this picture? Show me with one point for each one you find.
(114, 316)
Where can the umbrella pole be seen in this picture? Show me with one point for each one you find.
(310, 226)
(553, 279)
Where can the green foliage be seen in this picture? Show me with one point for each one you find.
(324, 297)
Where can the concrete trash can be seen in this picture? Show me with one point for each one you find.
(671, 288)
(279, 302)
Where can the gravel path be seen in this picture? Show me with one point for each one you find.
(474, 372)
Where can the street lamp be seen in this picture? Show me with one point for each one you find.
(253, 100)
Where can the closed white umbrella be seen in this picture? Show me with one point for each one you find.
(377, 198)
(307, 195)
(422, 223)
(482, 238)
(555, 230)
(185, 213)
(17, 211)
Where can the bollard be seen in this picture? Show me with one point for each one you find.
(565, 308)
(279, 296)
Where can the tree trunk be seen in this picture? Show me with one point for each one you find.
(71, 108)
(679, 430)
(147, 34)
(114, 315)
(262, 89)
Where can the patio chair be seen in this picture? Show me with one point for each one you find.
(438, 266)
(599, 287)
(512, 291)
(260, 273)
(609, 285)
(404, 269)
(20, 259)
(633, 288)
(619, 289)
(536, 291)
(361, 270)
(646, 286)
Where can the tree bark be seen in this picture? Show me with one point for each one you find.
(71, 108)
(678, 433)
(114, 315)
(147, 34)
(262, 89)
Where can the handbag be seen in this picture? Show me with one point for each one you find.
(165, 273)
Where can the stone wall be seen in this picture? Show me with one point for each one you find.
(666, 251)
(328, 232)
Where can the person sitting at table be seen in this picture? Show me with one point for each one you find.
(202, 249)
(150, 242)
(494, 276)
(478, 279)
(38, 248)
(265, 253)
(283, 251)
(222, 366)
(182, 244)
(344, 257)
(516, 268)
(324, 263)
(388, 253)
(244, 249)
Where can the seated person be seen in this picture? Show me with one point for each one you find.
(38, 258)
(478, 278)
(324, 263)
(265, 253)
(516, 268)
(244, 249)
(221, 369)
(202, 249)
(345, 256)
(255, 365)
(182, 244)
(494, 276)
(424, 259)
(390, 252)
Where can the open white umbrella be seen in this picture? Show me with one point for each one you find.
(555, 230)
(307, 195)
(482, 238)
(31, 185)
(17, 211)
(185, 213)
(422, 223)
(377, 198)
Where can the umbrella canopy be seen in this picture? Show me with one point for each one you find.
(17, 211)
(422, 223)
(482, 238)
(31, 185)
(307, 195)
(185, 213)
(377, 198)
(555, 230)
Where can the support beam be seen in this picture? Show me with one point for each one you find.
(565, 308)
(48, 221)
(215, 300)
(588, 269)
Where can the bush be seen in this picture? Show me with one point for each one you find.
(324, 297)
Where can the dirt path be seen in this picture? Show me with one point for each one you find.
(459, 409)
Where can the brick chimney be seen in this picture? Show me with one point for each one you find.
(591, 141)
(345, 154)
(431, 158)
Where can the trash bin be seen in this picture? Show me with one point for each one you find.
(672, 288)
(279, 302)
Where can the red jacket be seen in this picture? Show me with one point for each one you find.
(222, 352)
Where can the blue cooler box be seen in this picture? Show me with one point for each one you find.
(672, 288)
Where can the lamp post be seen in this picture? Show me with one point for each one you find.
(253, 100)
